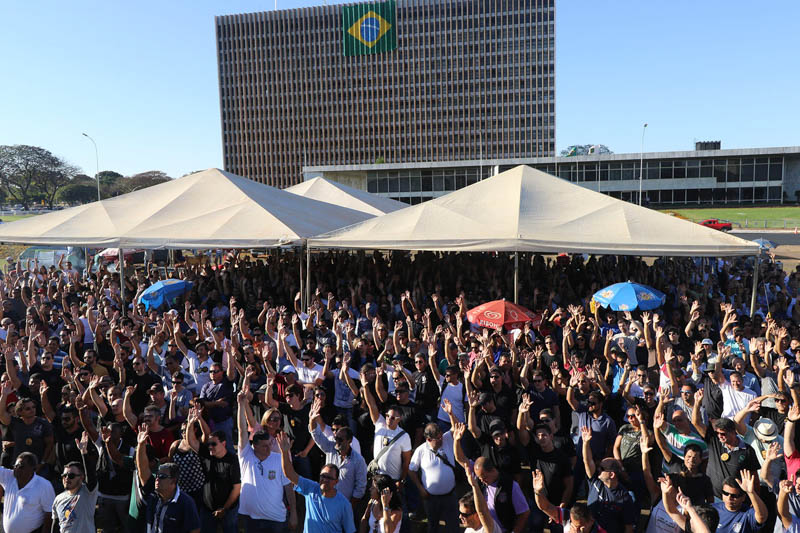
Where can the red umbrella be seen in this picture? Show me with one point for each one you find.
(500, 313)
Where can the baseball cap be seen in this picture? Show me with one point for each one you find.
(765, 429)
(262, 389)
(288, 370)
(707, 341)
(497, 427)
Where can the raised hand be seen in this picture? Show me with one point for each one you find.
(586, 433)
(447, 407)
(141, 437)
(538, 481)
(786, 486)
(683, 500)
(793, 414)
(644, 445)
(458, 431)
(698, 395)
(283, 441)
(774, 452)
(526, 404)
(658, 420)
(83, 443)
(747, 481)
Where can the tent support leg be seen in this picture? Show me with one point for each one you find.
(303, 304)
(516, 277)
(122, 281)
(755, 286)
(308, 274)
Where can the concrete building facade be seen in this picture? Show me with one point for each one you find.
(733, 176)
(469, 80)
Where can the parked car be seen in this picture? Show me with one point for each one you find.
(716, 223)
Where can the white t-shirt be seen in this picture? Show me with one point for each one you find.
(734, 401)
(455, 394)
(201, 370)
(26, 508)
(262, 486)
(308, 375)
(437, 477)
(391, 463)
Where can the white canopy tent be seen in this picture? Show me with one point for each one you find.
(208, 209)
(344, 196)
(524, 209)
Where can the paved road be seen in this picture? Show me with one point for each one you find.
(778, 237)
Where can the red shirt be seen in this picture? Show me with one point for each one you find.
(161, 442)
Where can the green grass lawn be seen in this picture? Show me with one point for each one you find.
(12, 218)
(751, 217)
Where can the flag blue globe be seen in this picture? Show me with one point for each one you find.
(370, 28)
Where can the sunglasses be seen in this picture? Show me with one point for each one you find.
(781, 400)
(217, 371)
(545, 420)
(274, 419)
(69, 475)
(306, 359)
(592, 403)
(163, 475)
(213, 444)
(464, 515)
(686, 391)
(537, 380)
(732, 494)
(326, 477)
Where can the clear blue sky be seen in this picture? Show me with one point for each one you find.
(141, 77)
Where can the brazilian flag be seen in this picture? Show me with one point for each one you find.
(369, 28)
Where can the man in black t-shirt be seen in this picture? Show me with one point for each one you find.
(727, 453)
(427, 390)
(556, 469)
(223, 484)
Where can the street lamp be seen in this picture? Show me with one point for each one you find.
(96, 165)
(641, 163)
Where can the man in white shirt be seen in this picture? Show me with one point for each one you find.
(436, 480)
(263, 483)
(28, 497)
(735, 396)
(394, 460)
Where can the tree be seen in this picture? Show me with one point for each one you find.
(143, 180)
(78, 193)
(28, 171)
(52, 180)
(585, 149)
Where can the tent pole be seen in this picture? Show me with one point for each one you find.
(303, 304)
(308, 274)
(122, 280)
(755, 287)
(516, 277)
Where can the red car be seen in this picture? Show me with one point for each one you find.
(715, 223)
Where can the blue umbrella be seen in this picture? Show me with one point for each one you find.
(628, 296)
(163, 292)
(764, 243)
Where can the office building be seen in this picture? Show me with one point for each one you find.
(702, 176)
(468, 80)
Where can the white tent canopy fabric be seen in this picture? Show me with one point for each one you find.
(208, 209)
(344, 196)
(524, 209)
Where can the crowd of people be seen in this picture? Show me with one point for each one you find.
(377, 407)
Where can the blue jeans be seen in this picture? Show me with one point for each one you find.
(254, 525)
(226, 426)
(209, 524)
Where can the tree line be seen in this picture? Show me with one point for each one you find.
(31, 175)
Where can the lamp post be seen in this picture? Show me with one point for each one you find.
(96, 165)
(641, 163)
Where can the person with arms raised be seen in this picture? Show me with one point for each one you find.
(327, 511)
